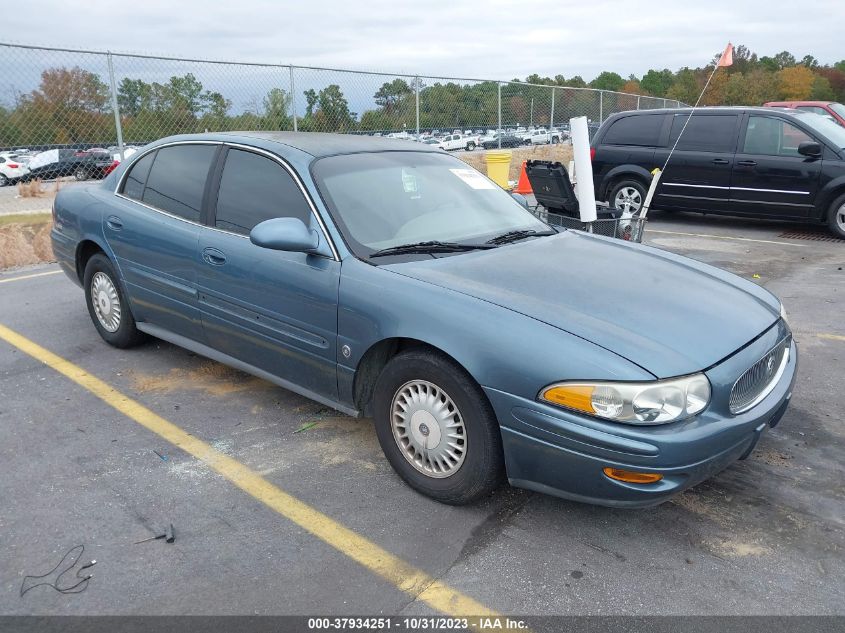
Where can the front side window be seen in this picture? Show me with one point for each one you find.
(704, 133)
(385, 199)
(254, 188)
(177, 179)
(769, 136)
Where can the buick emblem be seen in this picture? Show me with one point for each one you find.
(770, 364)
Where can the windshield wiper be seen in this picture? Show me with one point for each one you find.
(433, 246)
(513, 236)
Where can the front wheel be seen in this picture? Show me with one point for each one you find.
(627, 195)
(81, 174)
(3, 180)
(437, 428)
(108, 306)
(470, 146)
(836, 217)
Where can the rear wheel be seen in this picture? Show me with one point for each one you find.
(3, 180)
(470, 146)
(627, 195)
(107, 304)
(81, 174)
(437, 428)
(836, 217)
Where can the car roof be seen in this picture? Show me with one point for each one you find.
(798, 103)
(319, 144)
(706, 110)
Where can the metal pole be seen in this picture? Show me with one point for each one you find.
(499, 130)
(552, 115)
(664, 103)
(601, 106)
(531, 117)
(417, 97)
(638, 102)
(292, 98)
(117, 124)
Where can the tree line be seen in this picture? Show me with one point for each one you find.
(73, 105)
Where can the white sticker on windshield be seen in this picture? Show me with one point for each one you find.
(473, 178)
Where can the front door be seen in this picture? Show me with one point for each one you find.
(699, 174)
(271, 309)
(770, 177)
(153, 231)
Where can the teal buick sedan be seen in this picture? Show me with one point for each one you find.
(388, 279)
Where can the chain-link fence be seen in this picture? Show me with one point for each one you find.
(67, 112)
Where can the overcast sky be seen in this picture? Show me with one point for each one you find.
(491, 39)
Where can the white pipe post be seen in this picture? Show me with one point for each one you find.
(584, 189)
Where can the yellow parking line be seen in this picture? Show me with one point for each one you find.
(21, 277)
(725, 237)
(832, 337)
(404, 576)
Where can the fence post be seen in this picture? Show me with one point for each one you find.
(417, 99)
(552, 115)
(499, 126)
(664, 103)
(638, 102)
(292, 98)
(601, 106)
(117, 125)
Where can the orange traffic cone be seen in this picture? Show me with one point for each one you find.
(523, 186)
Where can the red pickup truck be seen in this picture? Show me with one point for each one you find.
(835, 111)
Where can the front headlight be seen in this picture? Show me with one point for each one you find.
(658, 402)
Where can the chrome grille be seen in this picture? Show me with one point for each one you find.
(760, 379)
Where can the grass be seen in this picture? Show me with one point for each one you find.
(26, 218)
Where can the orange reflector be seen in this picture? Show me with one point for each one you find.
(632, 477)
(578, 397)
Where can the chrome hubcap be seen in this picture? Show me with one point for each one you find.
(840, 217)
(106, 302)
(428, 428)
(628, 199)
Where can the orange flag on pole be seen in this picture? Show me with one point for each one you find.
(727, 57)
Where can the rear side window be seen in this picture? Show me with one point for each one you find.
(133, 186)
(177, 179)
(705, 133)
(254, 188)
(635, 130)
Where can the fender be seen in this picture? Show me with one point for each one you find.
(827, 194)
(634, 171)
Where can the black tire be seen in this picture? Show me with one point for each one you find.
(126, 334)
(836, 217)
(81, 174)
(555, 140)
(470, 146)
(483, 464)
(623, 184)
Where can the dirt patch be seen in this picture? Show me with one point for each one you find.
(25, 240)
(210, 377)
(561, 153)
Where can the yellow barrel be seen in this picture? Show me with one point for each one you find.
(498, 167)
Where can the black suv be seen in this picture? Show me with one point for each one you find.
(762, 162)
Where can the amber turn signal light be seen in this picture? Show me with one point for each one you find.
(631, 477)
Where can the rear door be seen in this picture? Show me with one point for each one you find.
(153, 231)
(699, 174)
(271, 309)
(770, 177)
(629, 140)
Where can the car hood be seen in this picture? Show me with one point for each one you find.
(668, 314)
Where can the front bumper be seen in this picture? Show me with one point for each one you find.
(563, 453)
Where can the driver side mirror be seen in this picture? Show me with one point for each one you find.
(285, 234)
(810, 148)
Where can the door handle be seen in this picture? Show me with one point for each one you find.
(213, 256)
(747, 163)
(721, 161)
(114, 222)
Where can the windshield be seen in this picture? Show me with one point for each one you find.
(385, 199)
(824, 126)
(838, 108)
